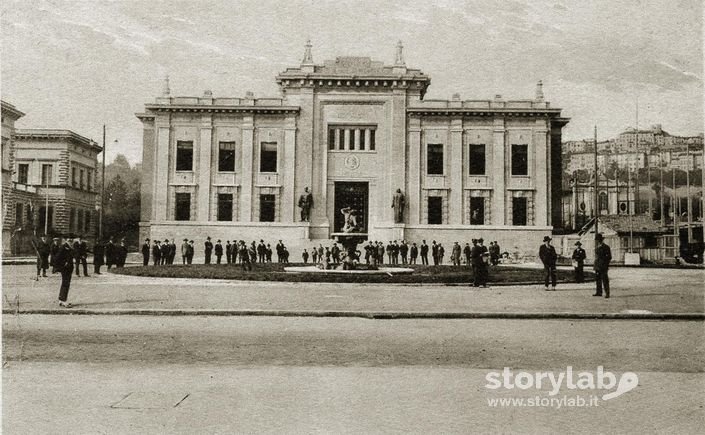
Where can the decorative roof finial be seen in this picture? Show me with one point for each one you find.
(166, 92)
(308, 57)
(399, 61)
(539, 91)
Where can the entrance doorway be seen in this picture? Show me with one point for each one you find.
(354, 195)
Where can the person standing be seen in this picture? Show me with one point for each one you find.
(218, 251)
(43, 250)
(434, 253)
(165, 252)
(413, 253)
(156, 253)
(172, 251)
(455, 254)
(98, 253)
(498, 253)
(122, 253)
(579, 262)
(63, 263)
(404, 251)
(80, 250)
(335, 254)
(477, 264)
(314, 255)
(548, 255)
(228, 252)
(380, 253)
(441, 253)
(209, 249)
(54, 250)
(244, 256)
(145, 252)
(190, 251)
(305, 204)
(467, 252)
(109, 253)
(603, 256)
(304, 256)
(424, 252)
(184, 251)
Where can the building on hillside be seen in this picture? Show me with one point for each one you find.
(60, 166)
(353, 131)
(10, 115)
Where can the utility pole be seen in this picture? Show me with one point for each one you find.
(46, 205)
(689, 201)
(661, 188)
(637, 209)
(102, 193)
(596, 207)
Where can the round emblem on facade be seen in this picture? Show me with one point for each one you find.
(352, 162)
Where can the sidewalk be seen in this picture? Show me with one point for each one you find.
(634, 294)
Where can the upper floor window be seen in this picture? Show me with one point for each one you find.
(184, 155)
(23, 173)
(268, 157)
(73, 177)
(351, 138)
(88, 180)
(434, 159)
(477, 160)
(80, 178)
(520, 160)
(47, 172)
(226, 157)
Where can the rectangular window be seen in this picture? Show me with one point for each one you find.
(342, 139)
(88, 181)
(331, 138)
(73, 177)
(225, 206)
(268, 157)
(435, 210)
(266, 208)
(226, 157)
(351, 139)
(184, 155)
(18, 214)
(434, 159)
(87, 221)
(477, 211)
(477, 160)
(519, 211)
(47, 172)
(79, 227)
(30, 215)
(520, 160)
(23, 173)
(80, 178)
(72, 219)
(363, 133)
(372, 139)
(182, 211)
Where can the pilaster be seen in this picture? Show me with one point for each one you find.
(248, 133)
(204, 168)
(414, 181)
(161, 173)
(499, 172)
(456, 172)
(288, 197)
(541, 168)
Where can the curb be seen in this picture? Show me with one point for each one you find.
(378, 315)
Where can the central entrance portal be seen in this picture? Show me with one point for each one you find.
(353, 195)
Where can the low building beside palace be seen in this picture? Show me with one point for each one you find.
(353, 131)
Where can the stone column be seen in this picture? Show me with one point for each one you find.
(288, 197)
(499, 173)
(248, 133)
(205, 146)
(540, 175)
(161, 173)
(456, 172)
(414, 190)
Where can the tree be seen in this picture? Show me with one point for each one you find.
(122, 201)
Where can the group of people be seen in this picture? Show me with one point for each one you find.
(603, 257)
(106, 253)
(237, 251)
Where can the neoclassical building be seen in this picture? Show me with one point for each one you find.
(353, 131)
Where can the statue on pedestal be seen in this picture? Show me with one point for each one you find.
(305, 204)
(350, 225)
(398, 203)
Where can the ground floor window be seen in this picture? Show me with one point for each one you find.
(182, 211)
(477, 211)
(225, 206)
(80, 221)
(519, 211)
(266, 208)
(18, 214)
(435, 210)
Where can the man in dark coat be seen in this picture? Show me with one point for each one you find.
(63, 263)
(404, 250)
(477, 264)
(434, 253)
(455, 254)
(424, 252)
(228, 252)
(603, 256)
(261, 252)
(145, 252)
(110, 253)
(190, 251)
(467, 252)
(218, 251)
(43, 251)
(122, 254)
(548, 256)
(80, 250)
(244, 256)
(165, 252)
(156, 253)
(54, 250)
(172, 251)
(579, 262)
(98, 254)
(209, 249)
(335, 253)
(413, 253)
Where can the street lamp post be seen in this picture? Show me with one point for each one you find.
(102, 192)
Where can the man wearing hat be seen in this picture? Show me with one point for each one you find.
(63, 263)
(99, 256)
(145, 252)
(208, 249)
(218, 251)
(548, 256)
(603, 256)
(579, 261)
(156, 253)
(190, 251)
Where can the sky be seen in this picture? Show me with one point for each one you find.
(80, 64)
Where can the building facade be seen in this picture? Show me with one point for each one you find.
(10, 115)
(352, 131)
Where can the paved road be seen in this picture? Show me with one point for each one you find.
(656, 290)
(113, 374)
